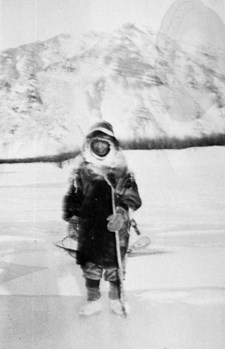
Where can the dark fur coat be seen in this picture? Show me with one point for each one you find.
(90, 198)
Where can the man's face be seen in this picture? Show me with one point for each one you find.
(100, 147)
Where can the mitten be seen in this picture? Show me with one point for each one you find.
(73, 227)
(117, 220)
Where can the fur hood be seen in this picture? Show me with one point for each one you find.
(114, 161)
(113, 165)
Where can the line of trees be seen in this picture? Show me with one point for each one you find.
(174, 143)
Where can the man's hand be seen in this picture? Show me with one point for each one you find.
(117, 220)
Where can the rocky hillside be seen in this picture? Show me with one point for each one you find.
(52, 91)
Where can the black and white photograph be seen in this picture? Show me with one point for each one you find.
(112, 174)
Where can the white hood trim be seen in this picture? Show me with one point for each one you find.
(113, 160)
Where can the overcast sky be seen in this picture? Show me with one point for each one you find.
(24, 21)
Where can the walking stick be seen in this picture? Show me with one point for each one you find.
(118, 254)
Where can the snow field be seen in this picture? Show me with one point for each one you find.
(177, 295)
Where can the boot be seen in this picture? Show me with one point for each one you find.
(116, 307)
(91, 307)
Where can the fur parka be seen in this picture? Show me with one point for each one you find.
(89, 197)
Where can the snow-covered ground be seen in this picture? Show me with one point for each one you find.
(177, 296)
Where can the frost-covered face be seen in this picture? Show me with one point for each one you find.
(100, 147)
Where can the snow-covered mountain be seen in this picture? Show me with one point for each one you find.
(52, 91)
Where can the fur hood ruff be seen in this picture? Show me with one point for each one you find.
(113, 163)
